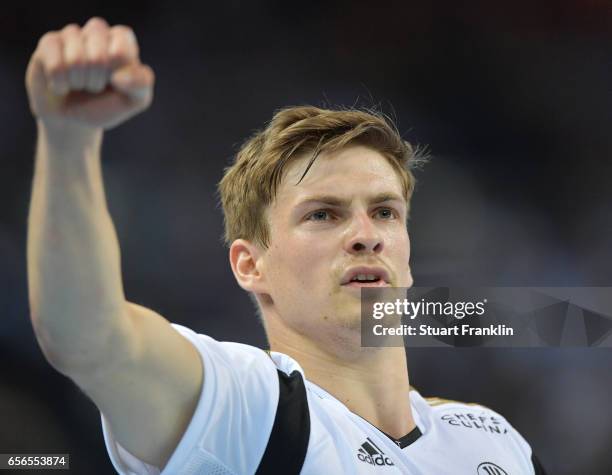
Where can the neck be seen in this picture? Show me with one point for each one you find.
(372, 382)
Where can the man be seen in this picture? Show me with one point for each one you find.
(315, 209)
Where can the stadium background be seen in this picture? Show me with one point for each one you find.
(512, 98)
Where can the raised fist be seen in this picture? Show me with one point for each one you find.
(90, 76)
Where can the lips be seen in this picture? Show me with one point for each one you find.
(365, 276)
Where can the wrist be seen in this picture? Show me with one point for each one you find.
(66, 136)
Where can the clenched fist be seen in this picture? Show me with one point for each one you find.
(90, 76)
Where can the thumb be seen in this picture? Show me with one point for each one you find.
(135, 81)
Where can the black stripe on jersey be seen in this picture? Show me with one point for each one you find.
(409, 438)
(288, 441)
(537, 466)
(403, 441)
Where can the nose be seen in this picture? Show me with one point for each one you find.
(363, 236)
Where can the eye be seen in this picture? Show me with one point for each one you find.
(319, 215)
(386, 213)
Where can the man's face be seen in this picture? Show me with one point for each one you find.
(344, 221)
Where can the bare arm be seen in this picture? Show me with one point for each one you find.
(142, 374)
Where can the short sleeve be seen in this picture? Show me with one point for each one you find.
(229, 430)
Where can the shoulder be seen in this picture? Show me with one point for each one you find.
(475, 417)
(476, 425)
(468, 416)
(241, 357)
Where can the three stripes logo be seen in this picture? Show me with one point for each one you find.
(371, 454)
(489, 468)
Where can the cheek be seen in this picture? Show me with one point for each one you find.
(399, 242)
(290, 262)
(306, 261)
(400, 250)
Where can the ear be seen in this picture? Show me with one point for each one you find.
(244, 257)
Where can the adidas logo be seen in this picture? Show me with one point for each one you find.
(371, 454)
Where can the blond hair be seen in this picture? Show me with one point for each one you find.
(250, 184)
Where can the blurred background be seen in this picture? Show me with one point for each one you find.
(512, 99)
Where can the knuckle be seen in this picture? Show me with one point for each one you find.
(125, 33)
(95, 24)
(48, 38)
(71, 29)
(97, 21)
(122, 29)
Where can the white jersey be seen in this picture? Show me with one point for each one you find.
(258, 414)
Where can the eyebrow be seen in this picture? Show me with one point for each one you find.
(333, 200)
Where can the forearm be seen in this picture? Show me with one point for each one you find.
(74, 274)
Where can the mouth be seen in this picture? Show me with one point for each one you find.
(359, 277)
(377, 283)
